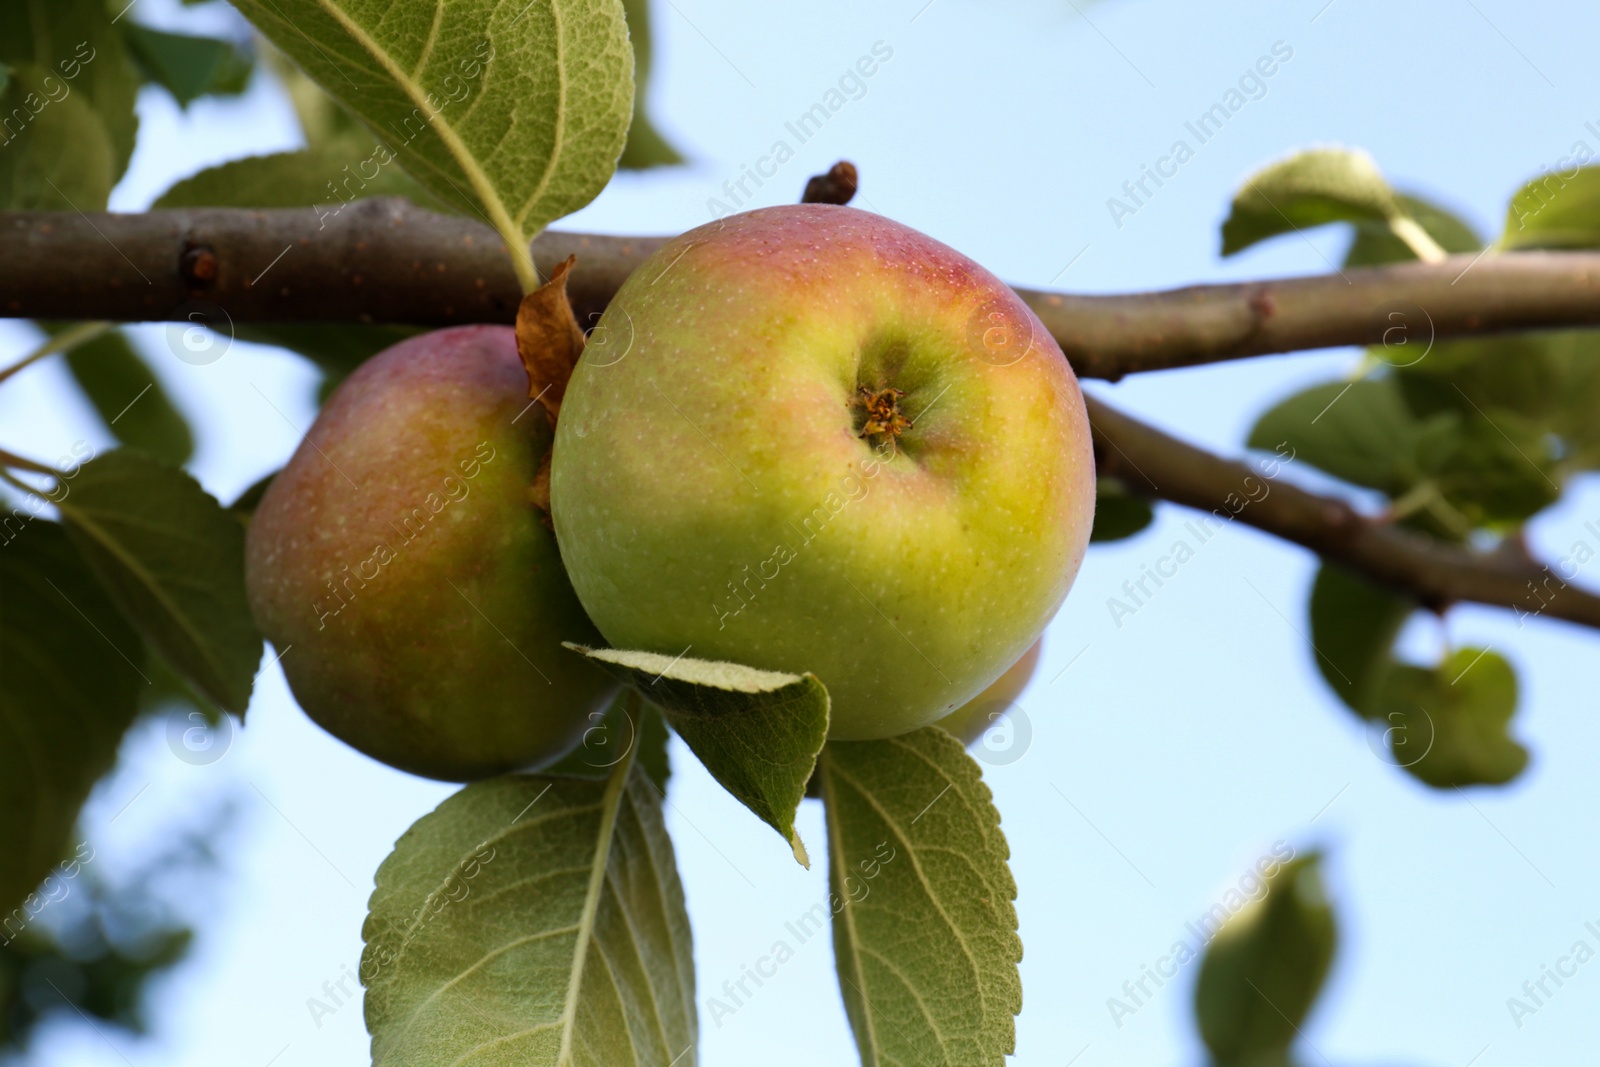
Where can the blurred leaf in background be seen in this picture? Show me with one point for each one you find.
(98, 938)
(72, 679)
(1264, 969)
(646, 147)
(83, 114)
(188, 67)
(129, 398)
(1119, 512)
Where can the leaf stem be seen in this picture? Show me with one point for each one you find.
(11, 459)
(65, 341)
(1417, 239)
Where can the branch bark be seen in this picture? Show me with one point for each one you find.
(387, 261)
(1435, 573)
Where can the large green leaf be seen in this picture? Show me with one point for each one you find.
(1556, 210)
(1353, 628)
(173, 560)
(78, 43)
(758, 732)
(516, 112)
(188, 67)
(1375, 243)
(1310, 189)
(129, 398)
(533, 921)
(70, 689)
(1265, 967)
(646, 147)
(62, 158)
(1448, 726)
(924, 925)
(1360, 432)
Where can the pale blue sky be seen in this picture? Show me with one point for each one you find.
(1178, 748)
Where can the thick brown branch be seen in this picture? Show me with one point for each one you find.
(1436, 573)
(375, 261)
(386, 261)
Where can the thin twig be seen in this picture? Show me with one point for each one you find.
(1435, 573)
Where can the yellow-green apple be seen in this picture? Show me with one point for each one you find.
(415, 595)
(812, 439)
(973, 719)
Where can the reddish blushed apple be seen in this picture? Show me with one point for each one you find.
(415, 595)
(812, 439)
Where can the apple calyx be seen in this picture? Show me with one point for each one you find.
(549, 339)
(882, 409)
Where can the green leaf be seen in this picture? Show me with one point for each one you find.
(532, 921)
(1353, 628)
(1360, 432)
(757, 732)
(1575, 354)
(924, 925)
(187, 67)
(1499, 470)
(62, 158)
(322, 118)
(167, 694)
(1306, 190)
(1376, 244)
(1449, 726)
(173, 561)
(646, 147)
(1519, 373)
(71, 690)
(1555, 210)
(77, 43)
(1265, 967)
(517, 113)
(324, 177)
(130, 399)
(1118, 512)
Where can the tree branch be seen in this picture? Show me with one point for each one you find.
(1434, 572)
(387, 261)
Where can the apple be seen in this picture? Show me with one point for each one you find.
(973, 719)
(811, 439)
(416, 597)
